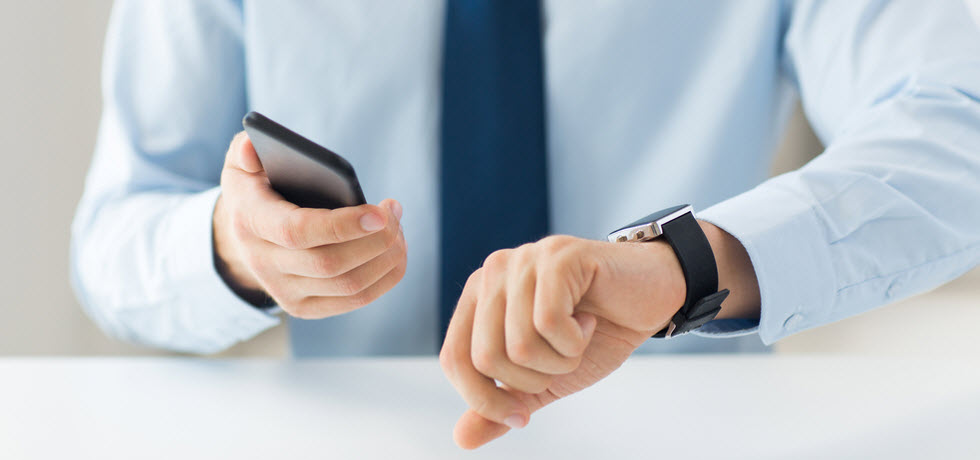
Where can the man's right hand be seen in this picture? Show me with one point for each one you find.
(314, 263)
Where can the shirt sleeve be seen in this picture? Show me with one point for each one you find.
(141, 257)
(891, 208)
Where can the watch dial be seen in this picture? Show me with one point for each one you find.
(656, 216)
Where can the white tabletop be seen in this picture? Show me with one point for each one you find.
(653, 407)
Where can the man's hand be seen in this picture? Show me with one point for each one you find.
(553, 317)
(313, 262)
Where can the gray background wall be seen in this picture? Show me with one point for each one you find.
(49, 90)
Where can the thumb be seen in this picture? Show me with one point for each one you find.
(242, 155)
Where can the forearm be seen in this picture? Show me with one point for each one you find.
(142, 268)
(229, 263)
(142, 262)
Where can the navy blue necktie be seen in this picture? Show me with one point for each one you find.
(494, 190)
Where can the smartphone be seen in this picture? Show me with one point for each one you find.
(302, 171)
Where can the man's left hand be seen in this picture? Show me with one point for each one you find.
(551, 318)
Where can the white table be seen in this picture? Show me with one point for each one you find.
(669, 407)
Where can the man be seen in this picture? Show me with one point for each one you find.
(487, 143)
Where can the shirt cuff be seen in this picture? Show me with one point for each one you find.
(787, 246)
(220, 317)
(729, 327)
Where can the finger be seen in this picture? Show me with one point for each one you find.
(304, 228)
(246, 188)
(242, 155)
(473, 430)
(488, 349)
(243, 175)
(554, 303)
(351, 282)
(479, 392)
(276, 220)
(525, 347)
(323, 307)
(333, 260)
(394, 206)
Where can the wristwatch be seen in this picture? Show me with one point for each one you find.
(678, 228)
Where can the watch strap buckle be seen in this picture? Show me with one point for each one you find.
(701, 312)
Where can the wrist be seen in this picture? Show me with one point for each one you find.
(672, 288)
(639, 286)
(658, 281)
(735, 273)
(231, 267)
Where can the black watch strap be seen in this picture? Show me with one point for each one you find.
(703, 300)
(680, 229)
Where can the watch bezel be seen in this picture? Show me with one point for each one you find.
(648, 227)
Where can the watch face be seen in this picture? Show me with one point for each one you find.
(650, 226)
(660, 216)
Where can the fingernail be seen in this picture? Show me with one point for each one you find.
(372, 222)
(396, 208)
(514, 421)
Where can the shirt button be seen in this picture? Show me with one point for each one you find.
(793, 321)
(893, 289)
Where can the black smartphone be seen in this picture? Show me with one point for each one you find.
(302, 171)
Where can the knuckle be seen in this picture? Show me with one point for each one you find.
(546, 322)
(520, 352)
(483, 361)
(524, 254)
(550, 242)
(447, 361)
(294, 226)
(474, 278)
(557, 243)
(334, 232)
(497, 261)
(567, 255)
(299, 218)
(324, 265)
(348, 284)
(288, 236)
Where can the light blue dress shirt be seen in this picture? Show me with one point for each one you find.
(649, 104)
